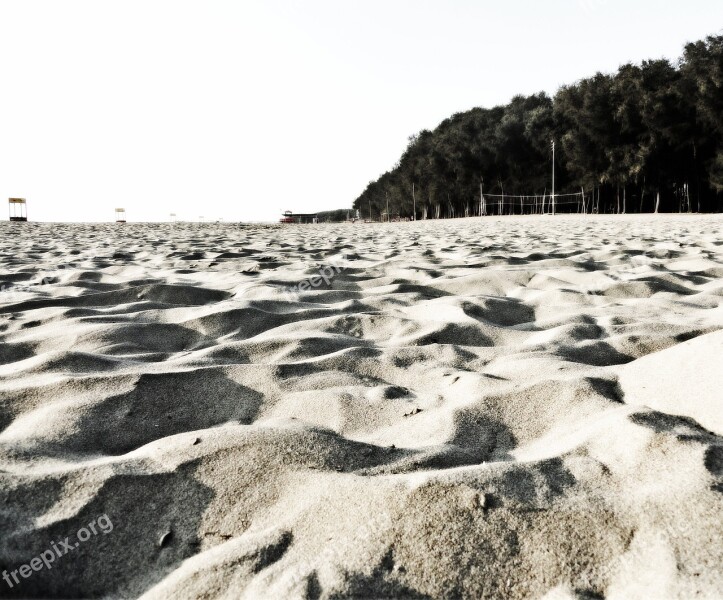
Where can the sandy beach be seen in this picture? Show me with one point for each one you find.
(502, 407)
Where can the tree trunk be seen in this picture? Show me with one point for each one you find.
(617, 207)
(642, 195)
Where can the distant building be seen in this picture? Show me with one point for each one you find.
(290, 217)
(17, 208)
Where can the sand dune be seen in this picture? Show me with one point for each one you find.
(681, 381)
(479, 408)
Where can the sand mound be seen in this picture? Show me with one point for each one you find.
(683, 380)
(480, 408)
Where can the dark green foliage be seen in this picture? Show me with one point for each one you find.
(335, 216)
(650, 130)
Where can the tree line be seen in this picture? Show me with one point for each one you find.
(338, 215)
(647, 138)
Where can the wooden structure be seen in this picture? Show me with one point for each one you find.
(120, 215)
(18, 209)
(290, 217)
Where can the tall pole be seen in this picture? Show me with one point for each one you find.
(388, 215)
(482, 204)
(553, 177)
(414, 201)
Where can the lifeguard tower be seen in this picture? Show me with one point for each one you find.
(173, 217)
(18, 209)
(120, 215)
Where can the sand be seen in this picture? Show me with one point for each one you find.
(505, 407)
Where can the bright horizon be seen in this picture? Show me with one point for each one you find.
(243, 110)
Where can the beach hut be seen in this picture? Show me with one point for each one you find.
(17, 207)
(290, 217)
(120, 215)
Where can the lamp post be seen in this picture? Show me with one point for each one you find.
(553, 176)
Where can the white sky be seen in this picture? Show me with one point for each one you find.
(240, 110)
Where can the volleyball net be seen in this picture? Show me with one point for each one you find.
(514, 204)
